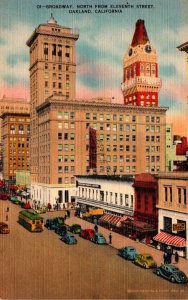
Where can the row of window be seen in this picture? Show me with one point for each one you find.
(112, 198)
(66, 180)
(114, 117)
(181, 194)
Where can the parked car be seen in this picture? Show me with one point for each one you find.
(128, 253)
(69, 239)
(145, 260)
(4, 228)
(171, 273)
(59, 221)
(75, 228)
(50, 224)
(4, 196)
(12, 198)
(61, 230)
(87, 233)
(98, 238)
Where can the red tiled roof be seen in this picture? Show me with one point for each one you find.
(169, 239)
(140, 35)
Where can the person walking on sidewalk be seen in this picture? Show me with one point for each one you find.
(165, 258)
(176, 257)
(110, 238)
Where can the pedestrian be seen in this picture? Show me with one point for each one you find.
(165, 258)
(6, 217)
(110, 238)
(176, 257)
(7, 209)
(96, 228)
(169, 257)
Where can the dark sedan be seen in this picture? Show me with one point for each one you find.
(171, 273)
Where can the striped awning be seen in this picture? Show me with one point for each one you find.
(124, 218)
(169, 239)
(110, 218)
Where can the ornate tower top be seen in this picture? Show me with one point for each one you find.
(52, 20)
(140, 35)
(141, 83)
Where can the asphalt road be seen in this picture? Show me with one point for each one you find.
(40, 266)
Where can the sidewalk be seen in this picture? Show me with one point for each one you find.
(119, 241)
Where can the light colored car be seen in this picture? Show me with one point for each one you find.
(128, 253)
(145, 260)
(69, 239)
(98, 238)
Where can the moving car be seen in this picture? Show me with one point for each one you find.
(128, 253)
(75, 228)
(61, 230)
(50, 224)
(171, 273)
(145, 260)
(87, 233)
(69, 239)
(4, 228)
(98, 238)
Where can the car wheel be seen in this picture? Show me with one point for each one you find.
(144, 265)
(172, 279)
(158, 273)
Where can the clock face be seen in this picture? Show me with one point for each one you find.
(130, 51)
(148, 48)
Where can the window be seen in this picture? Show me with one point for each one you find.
(121, 137)
(60, 169)
(167, 224)
(126, 200)
(114, 137)
(87, 116)
(59, 114)
(127, 148)
(127, 127)
(60, 125)
(179, 195)
(121, 147)
(60, 147)
(66, 158)
(59, 180)
(59, 136)
(72, 136)
(134, 138)
(60, 158)
(66, 136)
(107, 117)
(133, 118)
(94, 116)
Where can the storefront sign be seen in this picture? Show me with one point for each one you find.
(179, 227)
(97, 186)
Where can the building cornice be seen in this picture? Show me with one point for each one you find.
(86, 105)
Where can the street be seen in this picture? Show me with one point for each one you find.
(40, 266)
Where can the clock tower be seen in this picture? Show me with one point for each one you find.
(141, 83)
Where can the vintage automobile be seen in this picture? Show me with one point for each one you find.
(61, 230)
(4, 196)
(145, 260)
(59, 221)
(171, 273)
(12, 198)
(98, 238)
(128, 253)
(4, 228)
(69, 239)
(50, 224)
(75, 228)
(87, 233)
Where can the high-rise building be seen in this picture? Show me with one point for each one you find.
(11, 105)
(52, 71)
(15, 138)
(141, 83)
(71, 136)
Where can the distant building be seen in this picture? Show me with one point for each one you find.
(173, 211)
(174, 157)
(23, 178)
(15, 138)
(11, 105)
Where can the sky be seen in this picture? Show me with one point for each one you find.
(104, 39)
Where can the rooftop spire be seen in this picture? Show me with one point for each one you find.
(140, 35)
(52, 20)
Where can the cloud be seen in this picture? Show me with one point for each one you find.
(14, 59)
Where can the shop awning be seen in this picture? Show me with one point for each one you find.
(124, 218)
(139, 226)
(110, 218)
(169, 239)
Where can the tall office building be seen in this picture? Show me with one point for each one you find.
(52, 71)
(71, 136)
(141, 83)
